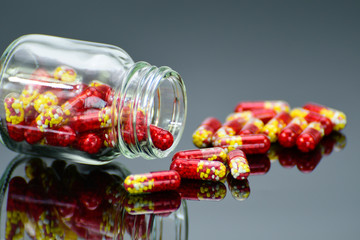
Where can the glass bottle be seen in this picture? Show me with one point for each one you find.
(87, 101)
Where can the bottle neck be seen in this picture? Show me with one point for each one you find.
(149, 98)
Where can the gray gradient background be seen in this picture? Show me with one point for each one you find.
(227, 52)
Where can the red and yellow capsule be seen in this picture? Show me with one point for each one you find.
(238, 164)
(313, 117)
(230, 128)
(197, 190)
(253, 126)
(310, 137)
(265, 115)
(203, 135)
(337, 117)
(152, 182)
(250, 144)
(244, 116)
(278, 106)
(288, 136)
(275, 125)
(210, 154)
(199, 169)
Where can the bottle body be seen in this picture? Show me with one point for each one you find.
(87, 101)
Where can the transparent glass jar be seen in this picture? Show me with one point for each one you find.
(87, 101)
(45, 198)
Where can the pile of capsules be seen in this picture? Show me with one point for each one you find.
(249, 130)
(77, 115)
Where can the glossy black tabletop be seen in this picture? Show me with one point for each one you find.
(297, 51)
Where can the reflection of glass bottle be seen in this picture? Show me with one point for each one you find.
(53, 198)
(84, 100)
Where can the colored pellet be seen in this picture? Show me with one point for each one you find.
(152, 182)
(203, 135)
(210, 154)
(250, 144)
(199, 169)
(337, 117)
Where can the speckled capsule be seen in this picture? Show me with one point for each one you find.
(65, 74)
(154, 203)
(152, 182)
(278, 106)
(253, 126)
(238, 164)
(239, 189)
(275, 125)
(203, 135)
(313, 117)
(197, 190)
(199, 169)
(288, 136)
(91, 120)
(337, 117)
(244, 116)
(210, 154)
(250, 144)
(310, 137)
(230, 128)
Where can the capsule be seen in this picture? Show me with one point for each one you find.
(253, 126)
(91, 120)
(199, 169)
(152, 182)
(288, 136)
(337, 117)
(310, 137)
(250, 144)
(245, 116)
(313, 117)
(230, 128)
(154, 203)
(210, 154)
(265, 115)
(161, 138)
(203, 135)
(239, 189)
(238, 164)
(278, 106)
(275, 125)
(197, 190)
(259, 164)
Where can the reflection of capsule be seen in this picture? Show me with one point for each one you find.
(310, 137)
(337, 117)
(288, 136)
(152, 182)
(153, 203)
(210, 154)
(239, 189)
(203, 135)
(253, 126)
(307, 162)
(201, 190)
(287, 157)
(278, 106)
(273, 128)
(238, 164)
(259, 164)
(199, 169)
(250, 144)
(313, 117)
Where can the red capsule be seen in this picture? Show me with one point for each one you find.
(16, 131)
(239, 189)
(313, 117)
(33, 134)
(253, 126)
(199, 169)
(288, 136)
(259, 164)
(265, 115)
(241, 116)
(337, 117)
(154, 203)
(250, 144)
(89, 142)
(197, 190)
(277, 106)
(161, 138)
(63, 136)
(210, 154)
(238, 164)
(152, 182)
(310, 137)
(103, 88)
(275, 125)
(203, 135)
(230, 128)
(91, 120)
